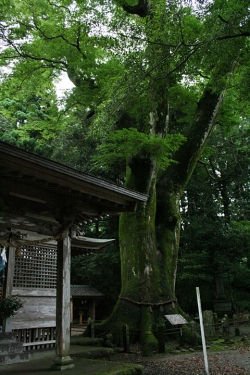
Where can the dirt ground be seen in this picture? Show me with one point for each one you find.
(229, 362)
(233, 360)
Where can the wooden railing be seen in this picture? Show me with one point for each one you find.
(44, 338)
(37, 338)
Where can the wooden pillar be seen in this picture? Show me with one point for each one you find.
(63, 360)
(9, 272)
(8, 285)
(71, 309)
(92, 309)
(80, 317)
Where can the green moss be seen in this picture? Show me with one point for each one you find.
(148, 340)
(189, 337)
(123, 313)
(143, 274)
(218, 345)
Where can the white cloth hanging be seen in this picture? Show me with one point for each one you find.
(3, 255)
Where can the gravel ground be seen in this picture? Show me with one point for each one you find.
(229, 362)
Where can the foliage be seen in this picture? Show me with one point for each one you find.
(73, 147)
(127, 143)
(9, 306)
(31, 118)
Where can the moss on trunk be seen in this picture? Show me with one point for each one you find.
(147, 338)
(144, 297)
(168, 234)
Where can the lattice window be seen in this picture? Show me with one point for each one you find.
(36, 267)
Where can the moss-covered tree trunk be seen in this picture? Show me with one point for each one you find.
(142, 295)
(149, 238)
(168, 223)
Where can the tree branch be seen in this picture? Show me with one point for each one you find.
(22, 54)
(179, 65)
(60, 36)
(206, 168)
(59, 6)
(203, 123)
(242, 34)
(223, 20)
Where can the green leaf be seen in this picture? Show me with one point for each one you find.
(124, 144)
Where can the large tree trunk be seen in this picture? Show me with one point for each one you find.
(143, 295)
(149, 240)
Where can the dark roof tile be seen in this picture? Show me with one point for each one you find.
(84, 291)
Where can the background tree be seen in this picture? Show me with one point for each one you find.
(31, 115)
(101, 269)
(215, 220)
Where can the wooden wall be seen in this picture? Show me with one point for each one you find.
(39, 308)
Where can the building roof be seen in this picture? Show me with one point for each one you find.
(43, 196)
(84, 291)
(85, 245)
(90, 243)
(80, 245)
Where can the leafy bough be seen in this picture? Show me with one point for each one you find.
(124, 144)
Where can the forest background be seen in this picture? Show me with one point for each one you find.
(159, 103)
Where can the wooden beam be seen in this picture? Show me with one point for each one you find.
(33, 222)
(29, 191)
(29, 198)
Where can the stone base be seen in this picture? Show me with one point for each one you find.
(62, 363)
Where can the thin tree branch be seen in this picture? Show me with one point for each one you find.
(26, 55)
(242, 34)
(60, 36)
(206, 168)
(179, 65)
(59, 6)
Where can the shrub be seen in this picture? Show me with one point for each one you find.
(9, 306)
